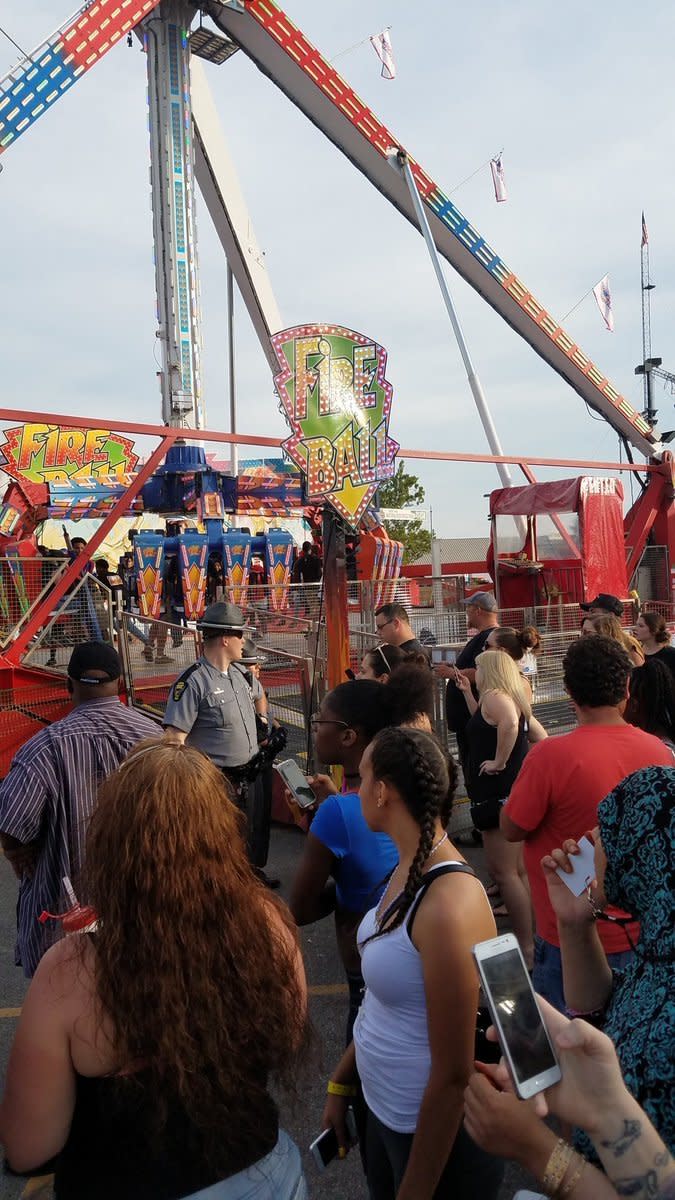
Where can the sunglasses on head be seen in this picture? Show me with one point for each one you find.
(380, 651)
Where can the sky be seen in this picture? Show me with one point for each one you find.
(579, 99)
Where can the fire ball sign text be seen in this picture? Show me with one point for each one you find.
(337, 401)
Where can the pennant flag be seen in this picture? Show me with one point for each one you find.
(498, 180)
(645, 235)
(603, 299)
(381, 43)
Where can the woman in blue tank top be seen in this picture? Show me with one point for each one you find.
(344, 864)
(414, 1037)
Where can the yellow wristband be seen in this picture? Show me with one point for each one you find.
(340, 1089)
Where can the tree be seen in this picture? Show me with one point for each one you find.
(401, 491)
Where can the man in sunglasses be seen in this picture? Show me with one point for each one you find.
(210, 705)
(393, 626)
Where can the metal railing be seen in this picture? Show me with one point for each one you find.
(24, 582)
(84, 614)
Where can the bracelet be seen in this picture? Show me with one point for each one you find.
(557, 1167)
(568, 1188)
(341, 1089)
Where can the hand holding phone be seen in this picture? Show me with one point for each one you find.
(326, 1147)
(461, 681)
(296, 782)
(523, 1037)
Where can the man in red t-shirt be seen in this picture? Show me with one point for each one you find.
(562, 782)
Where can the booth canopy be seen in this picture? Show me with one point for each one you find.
(560, 496)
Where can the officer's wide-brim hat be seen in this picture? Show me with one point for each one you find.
(250, 655)
(222, 616)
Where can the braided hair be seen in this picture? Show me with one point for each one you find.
(413, 763)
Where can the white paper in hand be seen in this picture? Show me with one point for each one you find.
(583, 868)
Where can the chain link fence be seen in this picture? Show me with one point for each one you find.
(85, 613)
(23, 584)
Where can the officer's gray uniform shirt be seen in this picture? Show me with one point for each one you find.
(215, 709)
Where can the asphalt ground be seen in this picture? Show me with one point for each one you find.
(328, 1005)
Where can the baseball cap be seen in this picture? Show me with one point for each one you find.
(94, 656)
(222, 616)
(606, 601)
(484, 600)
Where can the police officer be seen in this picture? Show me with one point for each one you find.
(259, 801)
(249, 664)
(210, 705)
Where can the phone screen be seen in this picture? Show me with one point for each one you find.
(326, 1146)
(514, 1005)
(297, 782)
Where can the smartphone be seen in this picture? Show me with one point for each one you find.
(325, 1148)
(444, 654)
(296, 782)
(583, 867)
(523, 1038)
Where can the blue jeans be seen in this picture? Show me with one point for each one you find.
(547, 977)
(277, 1176)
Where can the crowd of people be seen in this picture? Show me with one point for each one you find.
(158, 1042)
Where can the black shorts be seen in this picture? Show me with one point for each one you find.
(485, 814)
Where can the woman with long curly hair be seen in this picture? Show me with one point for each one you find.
(414, 1037)
(145, 1050)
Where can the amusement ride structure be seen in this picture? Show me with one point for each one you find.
(189, 151)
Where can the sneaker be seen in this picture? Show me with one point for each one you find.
(164, 658)
(148, 655)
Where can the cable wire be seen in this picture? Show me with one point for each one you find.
(15, 44)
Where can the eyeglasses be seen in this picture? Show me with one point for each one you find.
(384, 623)
(317, 719)
(233, 633)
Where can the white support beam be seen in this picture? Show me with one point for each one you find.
(220, 187)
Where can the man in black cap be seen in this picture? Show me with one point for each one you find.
(604, 603)
(48, 795)
(210, 705)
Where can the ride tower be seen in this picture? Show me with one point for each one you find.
(165, 39)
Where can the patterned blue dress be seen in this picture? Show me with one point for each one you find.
(637, 826)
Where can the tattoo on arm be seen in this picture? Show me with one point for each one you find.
(648, 1186)
(643, 1187)
(629, 1134)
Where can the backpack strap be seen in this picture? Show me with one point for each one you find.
(446, 869)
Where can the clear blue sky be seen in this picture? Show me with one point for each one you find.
(579, 98)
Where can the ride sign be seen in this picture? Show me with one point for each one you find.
(337, 402)
(58, 454)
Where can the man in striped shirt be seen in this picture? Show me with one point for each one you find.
(48, 795)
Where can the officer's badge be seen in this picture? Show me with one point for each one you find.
(178, 689)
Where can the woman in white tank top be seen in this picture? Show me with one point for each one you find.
(413, 1045)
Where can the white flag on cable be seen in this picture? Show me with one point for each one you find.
(603, 299)
(498, 180)
(381, 43)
